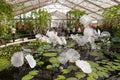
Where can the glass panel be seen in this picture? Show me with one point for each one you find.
(89, 6)
(104, 3)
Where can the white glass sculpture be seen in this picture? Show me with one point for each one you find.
(45, 39)
(17, 59)
(63, 40)
(86, 20)
(55, 39)
(83, 40)
(105, 34)
(38, 36)
(62, 58)
(84, 66)
(30, 60)
(72, 55)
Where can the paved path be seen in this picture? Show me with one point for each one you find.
(17, 42)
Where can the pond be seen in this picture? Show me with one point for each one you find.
(105, 64)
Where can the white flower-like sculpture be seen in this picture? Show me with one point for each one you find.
(80, 40)
(30, 60)
(73, 56)
(62, 58)
(90, 33)
(38, 36)
(45, 39)
(85, 20)
(17, 59)
(84, 65)
(56, 39)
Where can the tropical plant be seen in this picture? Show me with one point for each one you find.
(43, 18)
(112, 18)
(73, 17)
(6, 10)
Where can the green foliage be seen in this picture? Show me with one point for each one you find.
(73, 16)
(117, 55)
(9, 50)
(101, 71)
(69, 69)
(72, 67)
(3, 30)
(70, 44)
(49, 66)
(6, 10)
(43, 18)
(49, 54)
(30, 75)
(80, 75)
(33, 72)
(60, 77)
(96, 53)
(112, 12)
(112, 16)
(117, 33)
(40, 63)
(36, 45)
(71, 78)
(40, 50)
(27, 77)
(65, 71)
(55, 62)
(101, 68)
(90, 78)
(4, 63)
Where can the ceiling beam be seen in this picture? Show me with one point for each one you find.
(39, 4)
(35, 7)
(20, 2)
(79, 9)
(94, 4)
(84, 8)
(116, 1)
(72, 7)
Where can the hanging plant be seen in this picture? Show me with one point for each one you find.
(6, 10)
(73, 17)
(112, 18)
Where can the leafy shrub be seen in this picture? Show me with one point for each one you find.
(4, 63)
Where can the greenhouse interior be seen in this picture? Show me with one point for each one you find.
(59, 39)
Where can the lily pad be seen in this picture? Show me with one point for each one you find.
(80, 75)
(72, 78)
(55, 62)
(49, 54)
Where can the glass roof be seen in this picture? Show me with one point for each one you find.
(60, 7)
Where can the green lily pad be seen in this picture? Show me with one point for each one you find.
(33, 72)
(49, 66)
(60, 77)
(72, 78)
(40, 63)
(65, 71)
(80, 75)
(27, 77)
(49, 54)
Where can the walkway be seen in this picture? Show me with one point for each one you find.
(18, 41)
